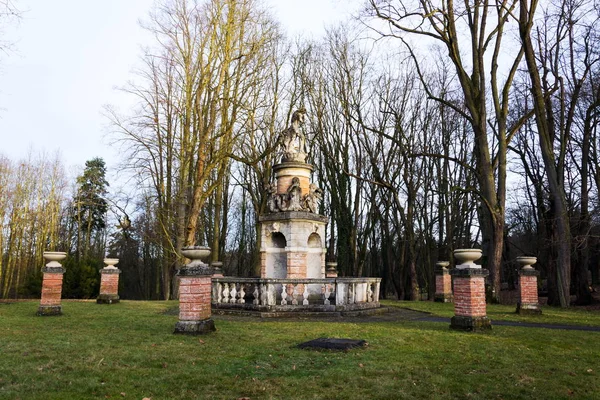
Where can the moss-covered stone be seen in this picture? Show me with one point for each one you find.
(470, 324)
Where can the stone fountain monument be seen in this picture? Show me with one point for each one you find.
(293, 275)
(292, 231)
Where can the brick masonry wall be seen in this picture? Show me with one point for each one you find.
(51, 289)
(443, 284)
(469, 296)
(194, 298)
(296, 265)
(109, 284)
(528, 289)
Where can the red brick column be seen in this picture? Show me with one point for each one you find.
(443, 283)
(470, 312)
(50, 302)
(528, 292)
(109, 286)
(195, 288)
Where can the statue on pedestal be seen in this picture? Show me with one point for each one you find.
(292, 141)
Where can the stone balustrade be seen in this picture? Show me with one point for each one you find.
(271, 294)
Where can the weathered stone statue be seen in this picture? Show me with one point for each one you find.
(312, 200)
(271, 189)
(294, 196)
(292, 141)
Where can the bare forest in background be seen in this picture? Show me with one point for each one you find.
(431, 127)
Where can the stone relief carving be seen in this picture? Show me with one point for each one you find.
(292, 141)
(293, 200)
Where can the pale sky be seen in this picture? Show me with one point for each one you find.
(72, 54)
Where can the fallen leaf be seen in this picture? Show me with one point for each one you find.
(123, 394)
(200, 341)
(294, 367)
(360, 365)
(164, 365)
(147, 398)
(590, 370)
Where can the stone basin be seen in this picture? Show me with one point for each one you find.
(467, 257)
(526, 261)
(196, 252)
(54, 257)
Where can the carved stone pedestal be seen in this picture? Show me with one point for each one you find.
(195, 286)
(50, 302)
(470, 312)
(443, 283)
(528, 290)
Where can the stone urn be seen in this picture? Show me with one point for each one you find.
(111, 262)
(526, 261)
(442, 264)
(198, 254)
(467, 258)
(53, 258)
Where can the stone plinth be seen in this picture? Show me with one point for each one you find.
(109, 286)
(331, 271)
(292, 245)
(528, 292)
(217, 267)
(195, 286)
(50, 302)
(443, 283)
(470, 312)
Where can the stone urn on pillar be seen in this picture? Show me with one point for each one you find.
(470, 312)
(443, 283)
(195, 286)
(50, 303)
(528, 290)
(109, 282)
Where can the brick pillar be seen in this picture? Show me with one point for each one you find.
(195, 287)
(109, 282)
(50, 302)
(528, 290)
(469, 300)
(443, 283)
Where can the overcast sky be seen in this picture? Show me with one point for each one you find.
(72, 54)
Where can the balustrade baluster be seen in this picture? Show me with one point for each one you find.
(256, 295)
(283, 295)
(295, 294)
(242, 294)
(305, 295)
(233, 293)
(326, 295)
(226, 293)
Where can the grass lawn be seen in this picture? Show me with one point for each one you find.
(128, 351)
(550, 315)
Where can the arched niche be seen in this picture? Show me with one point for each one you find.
(314, 257)
(276, 256)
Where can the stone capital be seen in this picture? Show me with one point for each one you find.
(53, 270)
(528, 272)
(110, 271)
(469, 272)
(197, 270)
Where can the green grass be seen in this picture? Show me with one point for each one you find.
(550, 315)
(128, 351)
